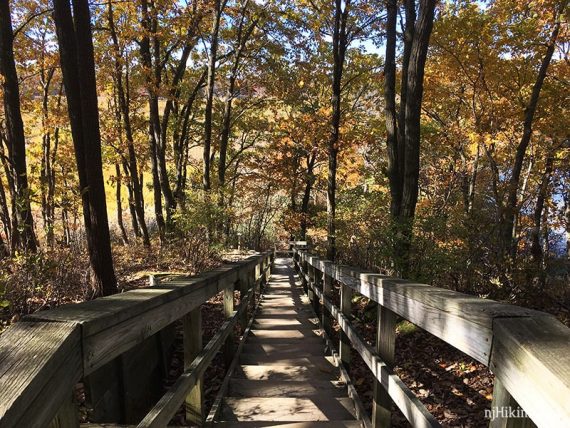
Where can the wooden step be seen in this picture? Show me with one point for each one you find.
(287, 409)
(287, 320)
(284, 373)
(291, 389)
(325, 364)
(308, 326)
(284, 349)
(285, 334)
(295, 343)
(268, 424)
(294, 316)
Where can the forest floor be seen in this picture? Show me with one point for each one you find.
(455, 388)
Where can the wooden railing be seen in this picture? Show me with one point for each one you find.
(528, 351)
(44, 356)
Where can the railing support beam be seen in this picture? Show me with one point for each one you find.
(502, 405)
(68, 414)
(346, 309)
(325, 316)
(385, 347)
(192, 328)
(228, 313)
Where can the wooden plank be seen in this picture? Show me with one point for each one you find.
(385, 347)
(346, 309)
(128, 318)
(169, 404)
(411, 407)
(68, 414)
(192, 328)
(294, 388)
(284, 372)
(228, 312)
(244, 286)
(287, 409)
(218, 402)
(327, 292)
(106, 312)
(463, 321)
(40, 363)
(531, 358)
(361, 413)
(503, 404)
(311, 424)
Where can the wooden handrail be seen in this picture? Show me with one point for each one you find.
(44, 356)
(528, 350)
(168, 405)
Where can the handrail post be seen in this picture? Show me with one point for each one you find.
(257, 281)
(502, 405)
(346, 309)
(385, 346)
(304, 271)
(244, 285)
(68, 414)
(327, 291)
(228, 313)
(267, 271)
(192, 328)
(316, 279)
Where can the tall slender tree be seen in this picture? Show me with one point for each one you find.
(403, 128)
(123, 101)
(510, 210)
(78, 68)
(23, 236)
(219, 6)
(340, 44)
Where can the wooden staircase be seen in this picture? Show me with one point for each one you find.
(282, 376)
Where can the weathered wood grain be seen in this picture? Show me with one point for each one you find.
(40, 363)
(114, 324)
(411, 407)
(169, 404)
(463, 321)
(531, 357)
(192, 328)
(43, 357)
(385, 347)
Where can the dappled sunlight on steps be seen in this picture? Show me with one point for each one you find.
(284, 378)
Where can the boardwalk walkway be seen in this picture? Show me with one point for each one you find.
(283, 377)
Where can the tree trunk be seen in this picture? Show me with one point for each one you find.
(23, 236)
(78, 69)
(219, 6)
(536, 247)
(132, 209)
(309, 181)
(509, 212)
(390, 108)
(181, 145)
(415, 86)
(339, 53)
(242, 39)
(46, 173)
(4, 213)
(154, 120)
(123, 102)
(409, 33)
(566, 196)
(403, 131)
(118, 184)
